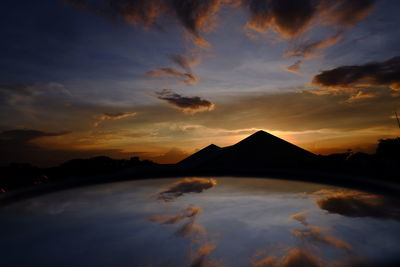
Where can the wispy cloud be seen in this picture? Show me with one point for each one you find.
(113, 116)
(184, 77)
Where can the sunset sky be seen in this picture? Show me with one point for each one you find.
(160, 79)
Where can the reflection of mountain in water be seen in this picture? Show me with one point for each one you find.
(259, 150)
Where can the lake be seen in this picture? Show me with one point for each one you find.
(202, 221)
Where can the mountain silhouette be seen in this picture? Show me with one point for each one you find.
(260, 150)
(201, 156)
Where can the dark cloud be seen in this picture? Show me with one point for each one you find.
(188, 104)
(288, 18)
(187, 185)
(195, 16)
(294, 257)
(386, 73)
(184, 77)
(22, 136)
(357, 204)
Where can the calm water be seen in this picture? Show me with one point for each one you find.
(201, 222)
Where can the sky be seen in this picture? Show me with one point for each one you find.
(161, 79)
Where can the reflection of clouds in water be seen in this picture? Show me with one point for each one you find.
(296, 257)
(188, 212)
(318, 234)
(192, 230)
(196, 233)
(187, 185)
(199, 259)
(357, 204)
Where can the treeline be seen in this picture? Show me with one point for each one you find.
(18, 175)
(383, 165)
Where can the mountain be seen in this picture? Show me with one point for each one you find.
(201, 156)
(260, 150)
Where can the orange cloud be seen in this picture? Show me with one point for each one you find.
(288, 18)
(360, 96)
(186, 78)
(185, 61)
(308, 50)
(113, 116)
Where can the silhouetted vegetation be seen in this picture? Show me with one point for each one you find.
(388, 148)
(18, 175)
(259, 154)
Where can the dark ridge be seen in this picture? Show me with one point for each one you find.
(200, 156)
(260, 150)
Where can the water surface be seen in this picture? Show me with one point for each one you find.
(201, 222)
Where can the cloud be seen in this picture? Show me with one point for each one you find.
(307, 50)
(385, 73)
(360, 96)
(294, 257)
(187, 185)
(186, 78)
(288, 18)
(186, 62)
(187, 104)
(22, 135)
(195, 16)
(353, 203)
(292, 18)
(345, 13)
(113, 116)
(21, 145)
(295, 67)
